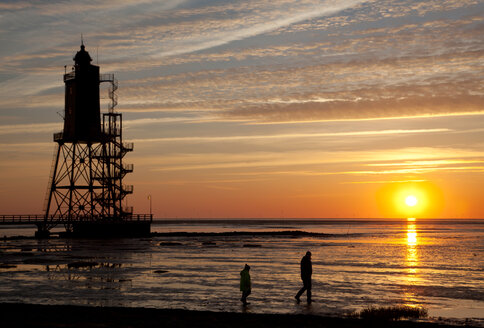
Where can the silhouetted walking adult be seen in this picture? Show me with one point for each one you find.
(306, 272)
(245, 284)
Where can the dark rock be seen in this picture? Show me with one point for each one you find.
(81, 264)
(34, 261)
(7, 266)
(170, 243)
(20, 254)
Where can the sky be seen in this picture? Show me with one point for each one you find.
(258, 108)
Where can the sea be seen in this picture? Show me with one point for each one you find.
(437, 264)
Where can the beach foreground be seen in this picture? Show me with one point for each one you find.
(29, 315)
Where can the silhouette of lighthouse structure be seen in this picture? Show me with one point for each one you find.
(82, 110)
(86, 191)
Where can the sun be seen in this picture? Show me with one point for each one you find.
(411, 200)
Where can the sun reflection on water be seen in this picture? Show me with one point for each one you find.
(411, 235)
(411, 260)
(412, 243)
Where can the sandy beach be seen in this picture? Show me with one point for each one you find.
(28, 315)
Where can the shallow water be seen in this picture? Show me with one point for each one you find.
(437, 264)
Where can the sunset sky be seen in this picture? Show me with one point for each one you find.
(258, 108)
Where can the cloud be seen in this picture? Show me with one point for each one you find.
(432, 163)
(226, 138)
(29, 128)
(418, 170)
(252, 27)
(420, 106)
(365, 70)
(314, 162)
(385, 181)
(27, 148)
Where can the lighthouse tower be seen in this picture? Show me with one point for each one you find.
(86, 191)
(82, 111)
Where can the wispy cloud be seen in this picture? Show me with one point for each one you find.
(259, 25)
(294, 160)
(419, 170)
(432, 163)
(384, 181)
(288, 136)
(29, 128)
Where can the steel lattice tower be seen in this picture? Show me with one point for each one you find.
(86, 180)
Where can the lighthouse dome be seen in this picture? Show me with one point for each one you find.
(82, 56)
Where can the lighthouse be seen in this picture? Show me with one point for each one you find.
(85, 192)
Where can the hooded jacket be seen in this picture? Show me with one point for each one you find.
(245, 284)
(306, 268)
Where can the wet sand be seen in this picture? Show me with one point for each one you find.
(27, 315)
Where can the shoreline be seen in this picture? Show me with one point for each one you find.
(273, 233)
(33, 315)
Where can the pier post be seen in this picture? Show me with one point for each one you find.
(42, 231)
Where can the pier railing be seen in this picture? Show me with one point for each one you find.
(39, 218)
(21, 219)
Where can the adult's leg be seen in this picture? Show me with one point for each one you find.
(307, 285)
(244, 296)
(299, 293)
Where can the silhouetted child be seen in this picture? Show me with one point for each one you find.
(245, 284)
(306, 272)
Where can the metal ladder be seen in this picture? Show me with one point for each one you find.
(51, 177)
